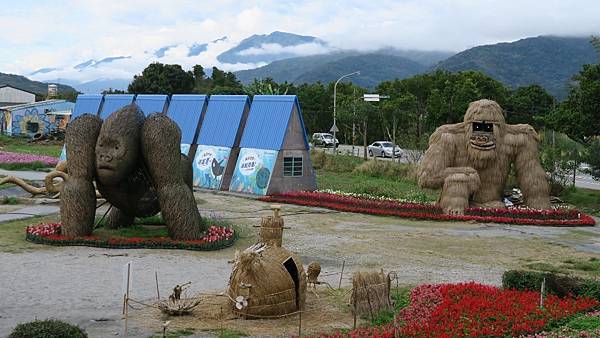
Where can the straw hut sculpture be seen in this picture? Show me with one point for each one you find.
(267, 281)
(470, 161)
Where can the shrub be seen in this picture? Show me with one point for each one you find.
(337, 163)
(555, 284)
(591, 288)
(47, 329)
(398, 171)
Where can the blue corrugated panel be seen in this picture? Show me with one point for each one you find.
(222, 120)
(186, 111)
(268, 121)
(151, 103)
(86, 104)
(114, 102)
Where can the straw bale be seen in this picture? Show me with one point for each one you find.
(260, 274)
(370, 293)
(271, 231)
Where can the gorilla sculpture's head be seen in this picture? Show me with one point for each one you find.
(118, 145)
(484, 125)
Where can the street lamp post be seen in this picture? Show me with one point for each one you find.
(334, 128)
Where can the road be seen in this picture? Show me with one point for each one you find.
(582, 180)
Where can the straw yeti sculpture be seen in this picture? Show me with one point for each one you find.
(470, 161)
(137, 166)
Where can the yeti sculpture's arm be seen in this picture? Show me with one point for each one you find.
(531, 175)
(78, 196)
(437, 162)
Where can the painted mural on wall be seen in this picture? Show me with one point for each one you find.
(209, 166)
(253, 171)
(32, 120)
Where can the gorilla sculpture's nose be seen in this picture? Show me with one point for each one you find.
(105, 157)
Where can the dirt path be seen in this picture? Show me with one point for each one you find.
(83, 285)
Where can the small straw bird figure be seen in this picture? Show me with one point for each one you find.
(313, 271)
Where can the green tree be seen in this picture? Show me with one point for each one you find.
(530, 105)
(267, 87)
(159, 78)
(579, 115)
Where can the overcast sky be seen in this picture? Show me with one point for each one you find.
(61, 33)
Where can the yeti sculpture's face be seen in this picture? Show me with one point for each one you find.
(484, 125)
(114, 158)
(482, 136)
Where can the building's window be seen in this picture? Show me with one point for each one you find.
(33, 127)
(292, 166)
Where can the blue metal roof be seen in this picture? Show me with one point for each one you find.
(186, 111)
(222, 120)
(268, 120)
(151, 103)
(114, 102)
(87, 104)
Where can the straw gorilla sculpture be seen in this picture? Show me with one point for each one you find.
(137, 166)
(471, 160)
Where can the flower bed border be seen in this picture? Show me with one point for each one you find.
(431, 212)
(139, 243)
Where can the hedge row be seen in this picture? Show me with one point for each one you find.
(560, 285)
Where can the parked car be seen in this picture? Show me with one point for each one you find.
(323, 139)
(384, 149)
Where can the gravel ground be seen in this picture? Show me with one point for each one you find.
(83, 285)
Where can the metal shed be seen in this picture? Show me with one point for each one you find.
(114, 102)
(187, 111)
(274, 153)
(151, 103)
(218, 140)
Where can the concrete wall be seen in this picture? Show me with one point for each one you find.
(16, 96)
(293, 146)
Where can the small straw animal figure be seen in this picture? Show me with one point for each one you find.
(313, 271)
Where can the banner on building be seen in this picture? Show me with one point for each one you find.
(209, 166)
(253, 171)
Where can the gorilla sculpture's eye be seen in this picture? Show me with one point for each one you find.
(482, 126)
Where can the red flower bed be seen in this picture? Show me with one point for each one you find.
(554, 217)
(49, 233)
(474, 310)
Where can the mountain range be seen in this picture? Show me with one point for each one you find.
(41, 88)
(545, 60)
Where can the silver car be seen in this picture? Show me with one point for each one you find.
(384, 149)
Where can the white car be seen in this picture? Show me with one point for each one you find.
(384, 149)
(324, 139)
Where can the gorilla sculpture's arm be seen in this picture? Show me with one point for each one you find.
(160, 141)
(531, 175)
(78, 196)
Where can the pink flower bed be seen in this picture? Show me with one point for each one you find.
(8, 157)
(216, 237)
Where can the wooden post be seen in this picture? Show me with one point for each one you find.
(157, 290)
(300, 324)
(542, 292)
(342, 274)
(126, 304)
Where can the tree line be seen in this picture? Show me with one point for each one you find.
(416, 106)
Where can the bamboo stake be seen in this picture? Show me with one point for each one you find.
(342, 274)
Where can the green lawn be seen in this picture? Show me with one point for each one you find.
(587, 200)
(21, 145)
(376, 186)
